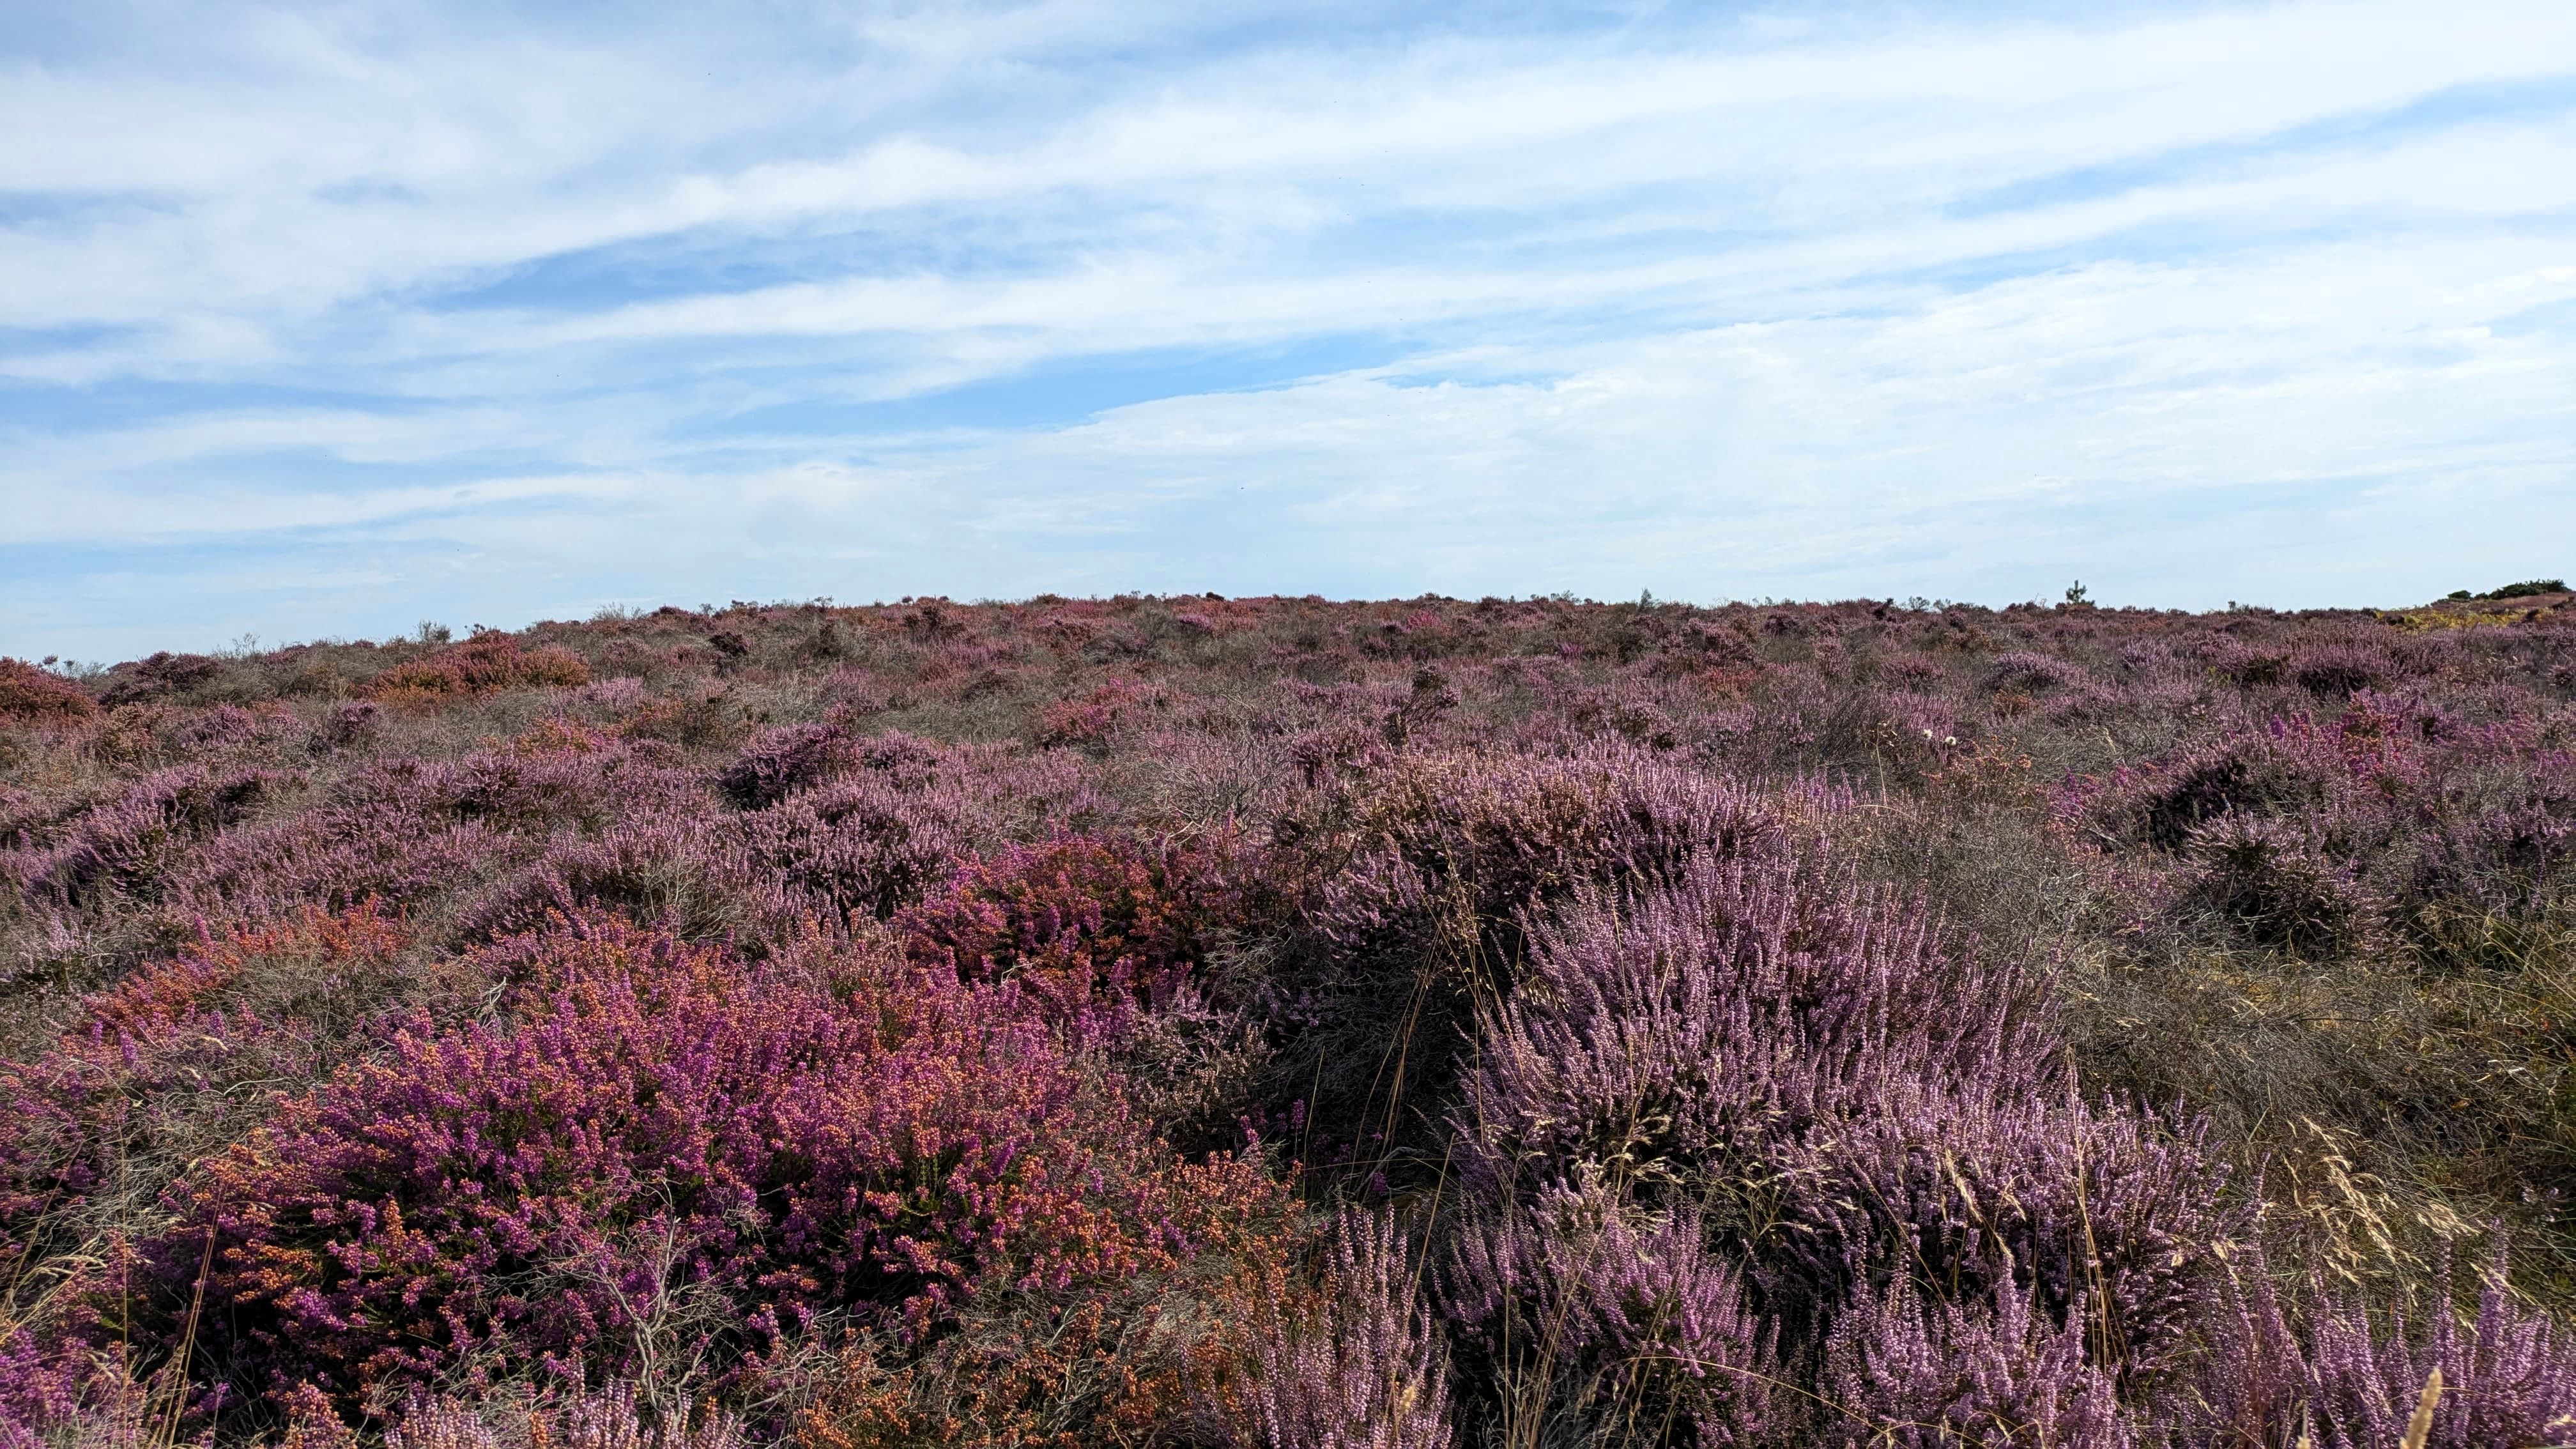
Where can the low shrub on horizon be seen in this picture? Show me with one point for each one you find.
(484, 664)
(29, 695)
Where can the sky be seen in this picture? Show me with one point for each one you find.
(322, 321)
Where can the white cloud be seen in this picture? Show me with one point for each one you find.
(1726, 307)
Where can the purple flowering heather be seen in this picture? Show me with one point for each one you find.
(2341, 668)
(2031, 673)
(70, 1400)
(1364, 1369)
(349, 726)
(2270, 877)
(2105, 1206)
(1483, 839)
(604, 1420)
(1690, 1128)
(861, 846)
(1857, 1097)
(1577, 1303)
(39, 1391)
(2508, 1374)
(1910, 1374)
(2345, 834)
(115, 1103)
(663, 1125)
(779, 762)
(406, 830)
(1678, 1038)
(2506, 856)
(133, 843)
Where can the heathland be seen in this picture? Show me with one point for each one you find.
(1204, 1021)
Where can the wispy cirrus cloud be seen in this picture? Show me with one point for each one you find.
(320, 319)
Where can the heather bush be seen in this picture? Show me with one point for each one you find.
(1159, 1356)
(607, 1419)
(2101, 1214)
(1425, 872)
(2287, 768)
(779, 762)
(153, 1075)
(2340, 668)
(1095, 716)
(657, 1129)
(153, 1072)
(1631, 714)
(29, 695)
(1113, 1366)
(2507, 1376)
(338, 855)
(853, 693)
(484, 664)
(133, 843)
(1580, 1308)
(1842, 1096)
(48, 1401)
(691, 718)
(1215, 778)
(1660, 1038)
(2337, 836)
(1363, 1365)
(158, 676)
(2508, 854)
(678, 873)
(406, 830)
(129, 736)
(1079, 921)
(2031, 673)
(865, 846)
(1448, 852)
(223, 726)
(2268, 877)
(39, 1392)
(347, 727)
(1901, 1371)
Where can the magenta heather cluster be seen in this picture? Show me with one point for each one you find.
(1763, 1061)
(654, 1123)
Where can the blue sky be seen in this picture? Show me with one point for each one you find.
(324, 320)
